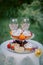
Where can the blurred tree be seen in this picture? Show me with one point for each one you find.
(41, 2)
(33, 12)
(16, 8)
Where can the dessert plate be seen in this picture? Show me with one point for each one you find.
(25, 52)
(34, 46)
(32, 36)
(26, 39)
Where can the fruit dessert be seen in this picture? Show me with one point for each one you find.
(15, 47)
(21, 43)
(20, 34)
(15, 33)
(27, 34)
(21, 46)
(28, 47)
(19, 49)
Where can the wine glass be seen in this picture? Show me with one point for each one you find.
(25, 24)
(13, 24)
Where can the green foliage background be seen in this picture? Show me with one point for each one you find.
(32, 9)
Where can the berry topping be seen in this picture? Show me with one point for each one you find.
(25, 42)
(9, 45)
(12, 47)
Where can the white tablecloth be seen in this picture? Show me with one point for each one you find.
(10, 58)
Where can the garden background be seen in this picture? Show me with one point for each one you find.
(32, 9)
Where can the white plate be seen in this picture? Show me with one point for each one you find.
(33, 45)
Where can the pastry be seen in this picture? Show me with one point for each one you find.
(13, 45)
(16, 45)
(28, 47)
(27, 34)
(19, 49)
(16, 33)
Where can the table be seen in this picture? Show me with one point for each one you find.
(11, 58)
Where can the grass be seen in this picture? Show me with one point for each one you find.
(4, 31)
